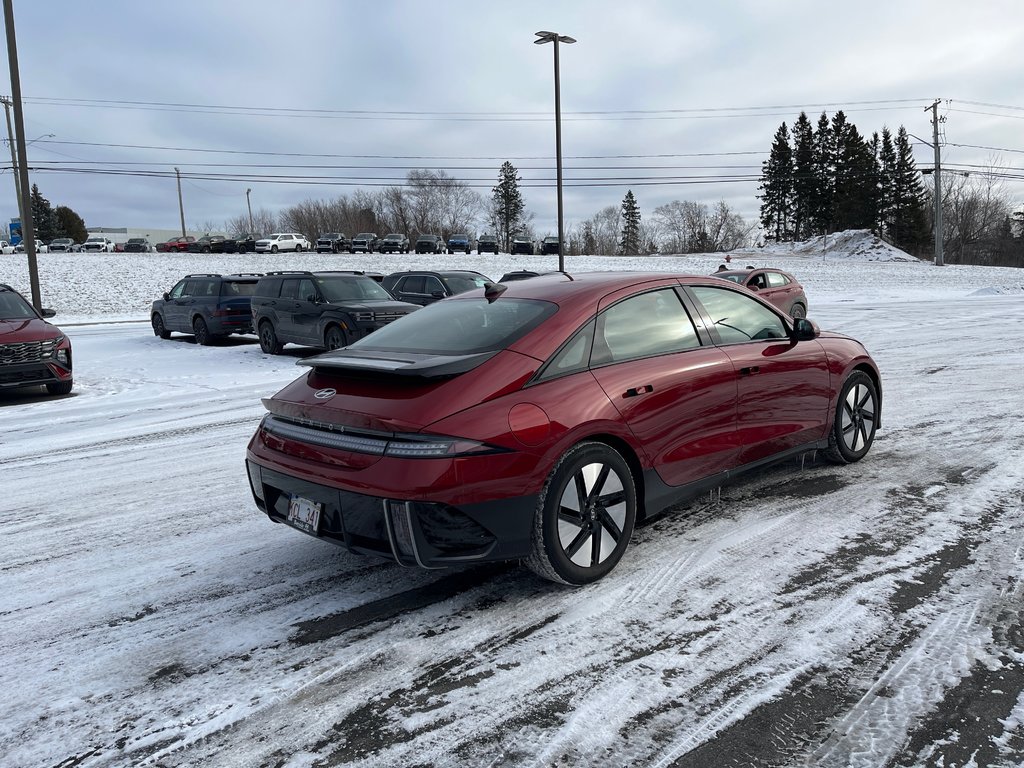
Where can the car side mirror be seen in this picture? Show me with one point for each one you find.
(805, 330)
(438, 294)
(48, 312)
(167, 296)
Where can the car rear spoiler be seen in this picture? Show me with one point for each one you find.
(412, 365)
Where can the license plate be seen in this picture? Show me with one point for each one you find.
(304, 514)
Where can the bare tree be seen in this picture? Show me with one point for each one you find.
(975, 208)
(263, 223)
(691, 227)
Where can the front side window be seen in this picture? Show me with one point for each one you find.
(411, 284)
(178, 290)
(354, 288)
(651, 323)
(739, 318)
(776, 279)
(290, 289)
(432, 285)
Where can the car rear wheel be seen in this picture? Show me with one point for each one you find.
(202, 332)
(159, 329)
(60, 387)
(273, 249)
(585, 516)
(798, 311)
(298, 248)
(856, 419)
(335, 338)
(268, 339)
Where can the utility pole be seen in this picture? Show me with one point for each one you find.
(249, 204)
(27, 225)
(938, 182)
(14, 159)
(181, 206)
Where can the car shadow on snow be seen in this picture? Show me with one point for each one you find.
(27, 395)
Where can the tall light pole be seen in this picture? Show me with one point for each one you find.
(249, 204)
(554, 37)
(938, 183)
(181, 205)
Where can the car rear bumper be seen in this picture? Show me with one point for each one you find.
(421, 531)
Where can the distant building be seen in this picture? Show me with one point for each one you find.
(122, 234)
(1017, 221)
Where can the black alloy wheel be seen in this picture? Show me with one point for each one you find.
(585, 516)
(335, 338)
(60, 387)
(268, 339)
(202, 332)
(856, 420)
(159, 329)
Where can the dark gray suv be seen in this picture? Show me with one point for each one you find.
(209, 306)
(327, 310)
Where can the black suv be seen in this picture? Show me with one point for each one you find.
(522, 246)
(487, 243)
(208, 244)
(32, 352)
(394, 243)
(423, 288)
(134, 245)
(333, 242)
(320, 309)
(242, 243)
(209, 306)
(429, 244)
(365, 242)
(549, 245)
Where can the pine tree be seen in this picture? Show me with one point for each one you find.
(43, 218)
(777, 188)
(886, 184)
(507, 206)
(589, 239)
(630, 242)
(909, 203)
(804, 178)
(70, 224)
(824, 176)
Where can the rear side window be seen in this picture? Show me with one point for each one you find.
(572, 357)
(652, 323)
(776, 279)
(290, 289)
(238, 288)
(269, 287)
(411, 284)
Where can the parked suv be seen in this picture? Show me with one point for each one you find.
(487, 243)
(134, 245)
(320, 309)
(394, 243)
(773, 285)
(429, 244)
(210, 306)
(333, 242)
(282, 241)
(32, 351)
(423, 287)
(365, 242)
(98, 245)
(522, 246)
(175, 244)
(208, 244)
(459, 242)
(241, 243)
(549, 245)
(62, 245)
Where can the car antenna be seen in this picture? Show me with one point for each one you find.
(571, 280)
(493, 290)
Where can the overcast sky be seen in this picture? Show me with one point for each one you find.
(688, 94)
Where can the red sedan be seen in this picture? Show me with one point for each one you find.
(539, 420)
(775, 286)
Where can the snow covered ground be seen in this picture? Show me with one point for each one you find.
(812, 615)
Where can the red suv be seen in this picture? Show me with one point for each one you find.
(32, 352)
(540, 420)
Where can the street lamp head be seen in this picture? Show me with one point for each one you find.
(550, 37)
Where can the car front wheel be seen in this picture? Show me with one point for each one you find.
(798, 311)
(855, 422)
(273, 249)
(335, 338)
(60, 387)
(585, 516)
(268, 339)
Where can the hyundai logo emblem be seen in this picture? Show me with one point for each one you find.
(324, 394)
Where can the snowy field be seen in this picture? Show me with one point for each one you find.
(811, 615)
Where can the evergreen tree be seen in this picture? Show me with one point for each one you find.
(43, 218)
(777, 188)
(630, 242)
(589, 239)
(70, 224)
(804, 178)
(856, 176)
(908, 216)
(886, 184)
(824, 176)
(507, 206)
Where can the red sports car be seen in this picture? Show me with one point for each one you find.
(539, 420)
(775, 286)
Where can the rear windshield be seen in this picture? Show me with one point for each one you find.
(13, 307)
(460, 327)
(238, 288)
(351, 288)
(460, 284)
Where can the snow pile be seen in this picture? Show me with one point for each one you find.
(999, 290)
(856, 244)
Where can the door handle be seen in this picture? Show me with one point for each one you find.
(635, 391)
(750, 370)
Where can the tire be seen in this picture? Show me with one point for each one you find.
(298, 248)
(60, 387)
(273, 249)
(202, 332)
(798, 311)
(159, 329)
(585, 516)
(334, 338)
(268, 339)
(856, 420)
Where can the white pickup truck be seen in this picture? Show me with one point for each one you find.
(6, 248)
(98, 244)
